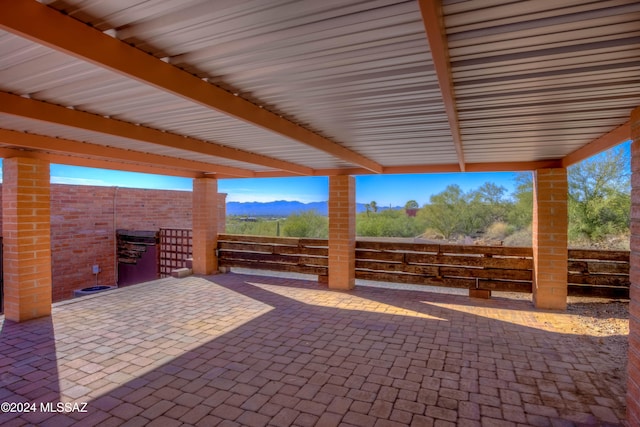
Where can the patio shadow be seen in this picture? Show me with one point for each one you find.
(256, 351)
(28, 370)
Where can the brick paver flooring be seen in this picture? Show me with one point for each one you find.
(240, 350)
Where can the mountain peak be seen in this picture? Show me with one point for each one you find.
(283, 208)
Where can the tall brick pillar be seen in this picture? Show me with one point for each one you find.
(26, 232)
(633, 364)
(550, 222)
(342, 232)
(205, 225)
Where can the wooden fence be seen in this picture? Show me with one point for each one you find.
(497, 268)
(288, 254)
(599, 273)
(456, 266)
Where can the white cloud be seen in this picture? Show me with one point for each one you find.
(79, 181)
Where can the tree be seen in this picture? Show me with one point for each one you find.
(411, 204)
(492, 198)
(599, 195)
(374, 206)
(520, 214)
(485, 206)
(445, 211)
(599, 199)
(454, 212)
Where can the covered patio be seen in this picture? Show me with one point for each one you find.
(233, 89)
(243, 350)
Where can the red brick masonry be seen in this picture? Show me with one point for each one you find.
(83, 224)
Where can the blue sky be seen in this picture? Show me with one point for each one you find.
(394, 190)
(386, 190)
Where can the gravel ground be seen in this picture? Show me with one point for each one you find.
(598, 317)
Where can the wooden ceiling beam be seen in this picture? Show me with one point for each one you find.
(60, 146)
(46, 26)
(475, 167)
(427, 169)
(96, 163)
(431, 11)
(513, 166)
(43, 111)
(610, 139)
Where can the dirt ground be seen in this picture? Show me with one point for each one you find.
(598, 317)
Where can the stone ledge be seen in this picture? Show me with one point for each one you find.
(181, 272)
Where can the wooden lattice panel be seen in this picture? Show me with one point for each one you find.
(175, 249)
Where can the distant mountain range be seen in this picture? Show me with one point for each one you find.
(283, 208)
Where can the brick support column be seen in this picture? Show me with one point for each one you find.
(205, 225)
(26, 231)
(550, 222)
(633, 365)
(342, 232)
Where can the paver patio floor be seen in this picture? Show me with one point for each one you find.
(247, 350)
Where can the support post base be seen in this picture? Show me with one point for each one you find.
(480, 293)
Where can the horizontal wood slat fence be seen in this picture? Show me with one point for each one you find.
(497, 268)
(289, 254)
(599, 273)
(482, 267)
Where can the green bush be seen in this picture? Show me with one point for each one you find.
(387, 223)
(306, 224)
(256, 227)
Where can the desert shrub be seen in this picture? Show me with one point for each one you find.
(499, 231)
(306, 224)
(522, 238)
(259, 227)
(387, 223)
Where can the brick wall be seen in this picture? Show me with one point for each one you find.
(83, 227)
(83, 224)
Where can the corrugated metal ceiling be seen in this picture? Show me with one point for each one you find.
(542, 78)
(532, 80)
